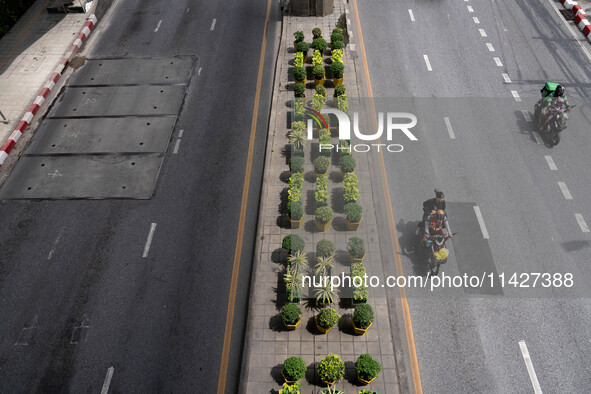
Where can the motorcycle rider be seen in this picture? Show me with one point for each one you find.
(433, 204)
(437, 224)
(557, 106)
(548, 101)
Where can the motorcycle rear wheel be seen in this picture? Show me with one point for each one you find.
(554, 137)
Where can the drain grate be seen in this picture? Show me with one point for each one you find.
(568, 15)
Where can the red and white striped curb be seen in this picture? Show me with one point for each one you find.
(28, 117)
(580, 17)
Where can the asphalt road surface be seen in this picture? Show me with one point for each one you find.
(142, 285)
(462, 60)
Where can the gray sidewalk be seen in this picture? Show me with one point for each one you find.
(29, 54)
(268, 344)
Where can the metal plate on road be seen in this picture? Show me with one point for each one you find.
(119, 101)
(133, 72)
(472, 251)
(83, 177)
(102, 135)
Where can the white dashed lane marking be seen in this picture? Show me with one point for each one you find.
(449, 129)
(565, 191)
(490, 47)
(158, 26)
(107, 381)
(149, 240)
(537, 137)
(481, 222)
(482, 32)
(498, 62)
(516, 95)
(582, 224)
(412, 16)
(551, 163)
(475, 19)
(530, 368)
(212, 24)
(470, 9)
(526, 116)
(427, 62)
(506, 78)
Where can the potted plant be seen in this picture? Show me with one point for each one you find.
(323, 217)
(297, 262)
(321, 194)
(299, 60)
(350, 188)
(299, 37)
(293, 286)
(368, 392)
(321, 91)
(299, 74)
(317, 59)
(299, 103)
(356, 249)
(360, 292)
(354, 213)
(290, 388)
(299, 90)
(326, 294)
(317, 102)
(337, 69)
(331, 369)
(319, 44)
(326, 319)
(367, 368)
(335, 37)
(295, 213)
(337, 45)
(325, 248)
(297, 139)
(339, 90)
(323, 266)
(293, 370)
(362, 318)
(318, 72)
(343, 103)
(321, 165)
(291, 315)
(296, 165)
(348, 165)
(344, 149)
(296, 183)
(303, 48)
(293, 243)
(336, 55)
(316, 33)
(324, 142)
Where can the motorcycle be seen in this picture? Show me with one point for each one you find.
(436, 252)
(559, 121)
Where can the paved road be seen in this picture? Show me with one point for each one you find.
(471, 344)
(76, 294)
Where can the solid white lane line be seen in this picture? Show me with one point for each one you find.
(176, 146)
(530, 368)
(107, 381)
(449, 129)
(482, 32)
(475, 19)
(470, 9)
(490, 47)
(551, 163)
(516, 95)
(427, 62)
(498, 61)
(149, 240)
(506, 77)
(412, 16)
(212, 24)
(55, 243)
(526, 115)
(537, 137)
(481, 222)
(582, 224)
(158, 26)
(565, 191)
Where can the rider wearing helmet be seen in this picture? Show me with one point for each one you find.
(437, 224)
(558, 105)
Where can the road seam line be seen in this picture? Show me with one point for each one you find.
(149, 240)
(481, 222)
(530, 368)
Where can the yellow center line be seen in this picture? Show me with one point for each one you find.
(238, 251)
(392, 224)
(24, 36)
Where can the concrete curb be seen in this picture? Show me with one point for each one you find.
(580, 17)
(28, 117)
